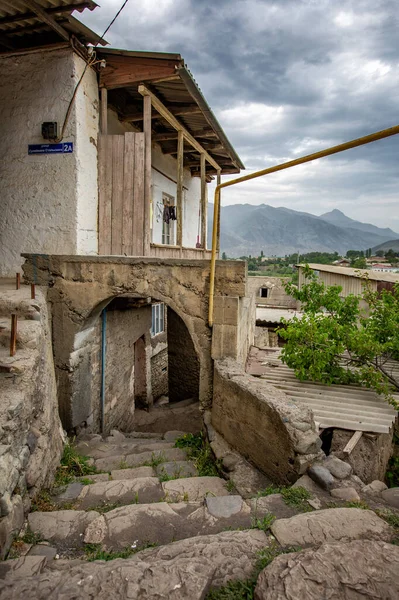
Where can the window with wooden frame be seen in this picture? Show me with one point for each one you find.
(168, 230)
(158, 319)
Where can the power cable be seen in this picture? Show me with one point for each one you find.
(92, 61)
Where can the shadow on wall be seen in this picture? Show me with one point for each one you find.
(183, 362)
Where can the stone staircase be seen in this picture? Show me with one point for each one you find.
(155, 528)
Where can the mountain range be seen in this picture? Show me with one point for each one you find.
(248, 229)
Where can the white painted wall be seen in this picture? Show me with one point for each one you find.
(48, 203)
(161, 183)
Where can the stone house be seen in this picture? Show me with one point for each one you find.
(108, 152)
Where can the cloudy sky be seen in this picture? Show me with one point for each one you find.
(287, 78)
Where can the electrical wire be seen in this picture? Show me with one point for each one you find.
(90, 63)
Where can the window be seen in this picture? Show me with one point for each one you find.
(264, 292)
(168, 228)
(158, 319)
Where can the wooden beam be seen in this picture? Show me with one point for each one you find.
(186, 150)
(172, 135)
(218, 182)
(168, 116)
(46, 18)
(175, 110)
(104, 111)
(179, 191)
(204, 202)
(147, 109)
(122, 71)
(66, 8)
(352, 442)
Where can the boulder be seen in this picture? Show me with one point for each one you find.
(358, 569)
(347, 493)
(321, 476)
(334, 524)
(338, 468)
(375, 487)
(391, 496)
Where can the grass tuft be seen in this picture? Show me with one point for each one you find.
(263, 523)
(72, 465)
(200, 453)
(357, 504)
(96, 552)
(295, 497)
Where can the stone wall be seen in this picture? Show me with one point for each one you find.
(183, 363)
(48, 202)
(159, 373)
(276, 297)
(263, 424)
(31, 436)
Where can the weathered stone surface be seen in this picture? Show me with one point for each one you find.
(180, 570)
(107, 450)
(172, 436)
(11, 525)
(335, 524)
(23, 567)
(321, 476)
(123, 491)
(71, 492)
(194, 489)
(391, 496)
(96, 477)
(358, 569)
(338, 468)
(274, 504)
(61, 524)
(375, 487)
(177, 469)
(347, 493)
(43, 550)
(137, 460)
(159, 523)
(132, 473)
(223, 506)
(117, 435)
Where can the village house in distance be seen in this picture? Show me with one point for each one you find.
(151, 438)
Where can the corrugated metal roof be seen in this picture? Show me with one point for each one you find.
(21, 27)
(275, 315)
(358, 273)
(341, 406)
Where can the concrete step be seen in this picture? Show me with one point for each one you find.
(162, 523)
(194, 489)
(147, 458)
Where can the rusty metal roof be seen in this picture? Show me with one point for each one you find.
(33, 23)
(177, 90)
(342, 406)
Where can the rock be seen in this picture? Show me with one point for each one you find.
(308, 443)
(375, 487)
(338, 468)
(348, 494)
(230, 461)
(43, 550)
(315, 503)
(194, 489)
(6, 505)
(184, 569)
(321, 476)
(140, 459)
(172, 436)
(123, 491)
(223, 506)
(95, 477)
(358, 569)
(391, 496)
(11, 525)
(20, 568)
(177, 469)
(274, 504)
(308, 484)
(330, 525)
(61, 524)
(117, 435)
(132, 473)
(71, 492)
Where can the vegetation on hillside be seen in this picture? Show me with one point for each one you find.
(336, 342)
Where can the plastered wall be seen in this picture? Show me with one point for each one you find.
(48, 202)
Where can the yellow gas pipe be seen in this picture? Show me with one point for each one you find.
(373, 137)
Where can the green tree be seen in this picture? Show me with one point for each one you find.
(224, 256)
(380, 253)
(336, 342)
(359, 263)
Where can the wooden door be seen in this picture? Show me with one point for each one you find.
(121, 194)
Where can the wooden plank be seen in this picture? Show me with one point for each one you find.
(204, 201)
(46, 18)
(161, 108)
(172, 135)
(139, 196)
(147, 110)
(104, 111)
(176, 111)
(352, 442)
(118, 145)
(128, 194)
(218, 182)
(179, 190)
(124, 70)
(67, 8)
(104, 193)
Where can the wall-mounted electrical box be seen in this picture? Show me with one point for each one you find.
(50, 130)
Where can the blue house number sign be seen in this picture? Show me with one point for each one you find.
(64, 148)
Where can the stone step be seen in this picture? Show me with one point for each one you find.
(140, 490)
(194, 489)
(184, 569)
(60, 525)
(141, 459)
(118, 474)
(162, 523)
(105, 449)
(176, 470)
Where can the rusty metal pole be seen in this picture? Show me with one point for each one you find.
(13, 340)
(18, 281)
